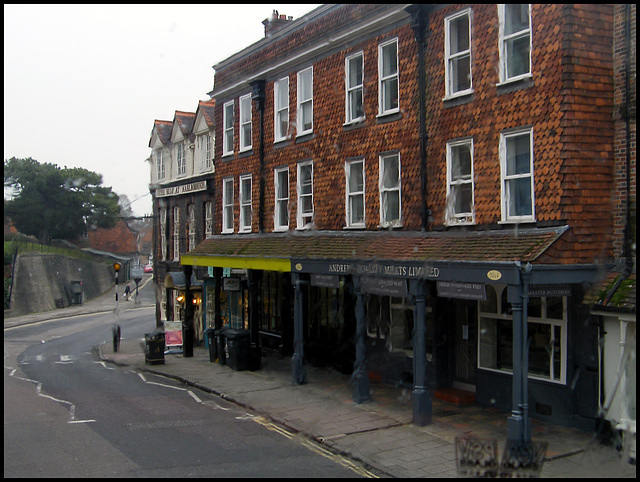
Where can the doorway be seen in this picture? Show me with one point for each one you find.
(466, 345)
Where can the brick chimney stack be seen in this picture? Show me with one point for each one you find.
(275, 23)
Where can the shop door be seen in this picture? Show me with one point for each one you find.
(466, 345)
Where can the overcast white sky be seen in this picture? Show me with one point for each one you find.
(84, 83)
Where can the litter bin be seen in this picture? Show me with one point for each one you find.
(76, 292)
(211, 340)
(221, 346)
(239, 345)
(154, 348)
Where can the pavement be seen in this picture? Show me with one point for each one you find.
(377, 435)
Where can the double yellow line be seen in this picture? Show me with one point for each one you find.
(316, 448)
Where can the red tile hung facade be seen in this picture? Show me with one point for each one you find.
(567, 102)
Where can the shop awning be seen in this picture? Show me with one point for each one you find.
(293, 251)
(177, 280)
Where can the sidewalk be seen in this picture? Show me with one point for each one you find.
(377, 433)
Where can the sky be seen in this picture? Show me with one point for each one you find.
(83, 84)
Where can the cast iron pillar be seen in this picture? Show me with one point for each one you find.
(422, 396)
(187, 326)
(360, 377)
(519, 424)
(298, 369)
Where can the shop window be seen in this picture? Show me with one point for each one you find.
(271, 308)
(546, 332)
(391, 319)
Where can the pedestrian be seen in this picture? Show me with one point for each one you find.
(127, 291)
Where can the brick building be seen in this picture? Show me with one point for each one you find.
(182, 187)
(412, 191)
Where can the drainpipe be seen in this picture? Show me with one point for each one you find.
(258, 96)
(419, 16)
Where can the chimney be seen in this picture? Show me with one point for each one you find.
(275, 23)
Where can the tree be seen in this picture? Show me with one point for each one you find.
(54, 203)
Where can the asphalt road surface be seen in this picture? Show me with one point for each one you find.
(67, 414)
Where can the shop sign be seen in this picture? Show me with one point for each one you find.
(231, 284)
(173, 333)
(384, 286)
(538, 291)
(462, 291)
(325, 280)
(380, 269)
(183, 189)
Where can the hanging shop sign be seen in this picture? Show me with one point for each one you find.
(182, 189)
(325, 280)
(462, 291)
(384, 286)
(231, 284)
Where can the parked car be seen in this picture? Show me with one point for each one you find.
(148, 268)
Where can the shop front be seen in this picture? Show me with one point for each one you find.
(423, 319)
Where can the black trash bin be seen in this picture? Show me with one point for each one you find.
(211, 340)
(154, 348)
(239, 345)
(221, 346)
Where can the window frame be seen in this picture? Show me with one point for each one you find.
(205, 150)
(504, 39)
(302, 216)
(301, 102)
(228, 127)
(452, 217)
(451, 58)
(176, 233)
(244, 226)
(208, 219)
(227, 207)
(163, 234)
(191, 214)
(384, 79)
(278, 224)
(544, 319)
(506, 179)
(160, 165)
(181, 159)
(349, 195)
(246, 119)
(394, 223)
(277, 135)
(348, 101)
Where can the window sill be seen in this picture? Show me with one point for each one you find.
(457, 95)
(282, 229)
(305, 137)
(355, 228)
(389, 117)
(354, 124)
(511, 85)
(391, 225)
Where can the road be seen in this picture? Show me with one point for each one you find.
(68, 414)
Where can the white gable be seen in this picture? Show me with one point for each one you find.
(176, 133)
(200, 126)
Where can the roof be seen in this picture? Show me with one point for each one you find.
(163, 130)
(184, 120)
(485, 246)
(207, 108)
(616, 292)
